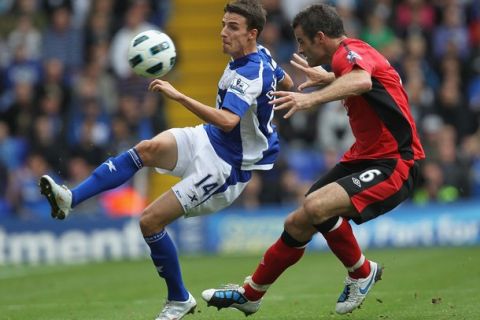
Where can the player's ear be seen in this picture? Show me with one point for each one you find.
(252, 34)
(319, 37)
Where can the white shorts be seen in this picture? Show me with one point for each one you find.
(208, 183)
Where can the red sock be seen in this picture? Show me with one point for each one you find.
(275, 260)
(343, 244)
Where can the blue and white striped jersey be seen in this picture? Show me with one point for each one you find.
(244, 89)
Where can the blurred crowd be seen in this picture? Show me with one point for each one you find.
(68, 99)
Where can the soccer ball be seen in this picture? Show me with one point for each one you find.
(151, 54)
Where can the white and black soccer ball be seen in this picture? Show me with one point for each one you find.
(151, 54)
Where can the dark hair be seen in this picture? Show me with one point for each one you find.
(252, 10)
(319, 17)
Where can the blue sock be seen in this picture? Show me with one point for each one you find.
(165, 259)
(110, 174)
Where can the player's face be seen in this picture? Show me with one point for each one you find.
(314, 51)
(236, 38)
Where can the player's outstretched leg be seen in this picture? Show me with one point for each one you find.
(356, 290)
(59, 197)
(176, 310)
(231, 296)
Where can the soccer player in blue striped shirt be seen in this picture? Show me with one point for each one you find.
(214, 160)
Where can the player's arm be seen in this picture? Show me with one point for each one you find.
(286, 84)
(220, 118)
(352, 83)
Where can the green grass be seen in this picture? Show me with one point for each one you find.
(308, 290)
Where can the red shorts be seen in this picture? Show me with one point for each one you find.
(374, 186)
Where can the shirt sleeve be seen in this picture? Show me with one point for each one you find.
(279, 73)
(277, 70)
(352, 56)
(241, 94)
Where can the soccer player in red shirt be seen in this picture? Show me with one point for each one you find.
(373, 177)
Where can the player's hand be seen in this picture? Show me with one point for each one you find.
(292, 101)
(315, 75)
(166, 88)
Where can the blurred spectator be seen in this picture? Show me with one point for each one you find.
(47, 141)
(431, 128)
(421, 97)
(453, 109)
(414, 17)
(300, 129)
(292, 190)
(25, 35)
(51, 5)
(347, 11)
(473, 86)
(20, 114)
(12, 149)
(277, 33)
(90, 113)
(21, 69)
(99, 31)
(135, 22)
(86, 147)
(95, 83)
(377, 33)
(122, 138)
(433, 188)
(250, 197)
(291, 8)
(153, 105)
(81, 9)
(471, 151)
(451, 36)
(453, 165)
(416, 61)
(26, 199)
(334, 130)
(62, 41)
(51, 109)
(78, 169)
(280, 185)
(130, 108)
(55, 81)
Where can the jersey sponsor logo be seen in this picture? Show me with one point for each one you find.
(356, 182)
(352, 57)
(239, 86)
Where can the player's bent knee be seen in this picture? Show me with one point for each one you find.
(312, 206)
(150, 223)
(145, 150)
(320, 210)
(299, 226)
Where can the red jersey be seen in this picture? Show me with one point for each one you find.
(381, 120)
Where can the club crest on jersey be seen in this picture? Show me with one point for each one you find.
(239, 86)
(352, 56)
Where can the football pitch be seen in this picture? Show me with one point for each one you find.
(438, 283)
